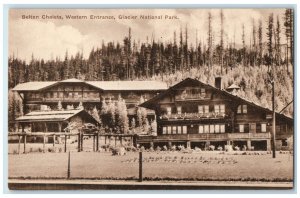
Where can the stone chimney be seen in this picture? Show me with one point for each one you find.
(218, 82)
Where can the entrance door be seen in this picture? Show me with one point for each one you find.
(252, 127)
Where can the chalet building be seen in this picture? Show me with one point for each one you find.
(71, 92)
(195, 114)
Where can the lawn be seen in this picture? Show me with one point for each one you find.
(156, 166)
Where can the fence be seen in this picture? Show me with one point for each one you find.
(80, 139)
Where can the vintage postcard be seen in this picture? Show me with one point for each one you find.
(178, 99)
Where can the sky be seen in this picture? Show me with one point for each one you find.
(51, 38)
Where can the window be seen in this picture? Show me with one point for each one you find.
(48, 95)
(222, 128)
(222, 108)
(70, 95)
(206, 128)
(206, 109)
(202, 92)
(174, 131)
(179, 129)
(54, 94)
(239, 110)
(184, 130)
(284, 142)
(264, 127)
(75, 94)
(244, 108)
(84, 94)
(164, 130)
(201, 129)
(169, 110)
(217, 128)
(200, 109)
(169, 130)
(179, 110)
(217, 108)
(211, 128)
(241, 128)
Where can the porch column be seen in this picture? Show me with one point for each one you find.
(268, 144)
(188, 144)
(169, 144)
(248, 144)
(59, 126)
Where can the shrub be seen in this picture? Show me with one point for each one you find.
(228, 148)
(181, 148)
(173, 148)
(60, 150)
(118, 151)
(151, 149)
(15, 151)
(158, 148)
(237, 148)
(197, 149)
(165, 148)
(211, 147)
(40, 150)
(142, 148)
(220, 148)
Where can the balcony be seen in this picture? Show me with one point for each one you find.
(185, 97)
(194, 116)
(214, 136)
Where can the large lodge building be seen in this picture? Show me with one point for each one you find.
(190, 113)
(195, 114)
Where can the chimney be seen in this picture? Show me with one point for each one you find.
(218, 82)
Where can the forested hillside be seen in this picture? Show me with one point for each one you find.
(263, 57)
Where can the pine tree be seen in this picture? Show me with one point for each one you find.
(95, 114)
(260, 43)
(270, 41)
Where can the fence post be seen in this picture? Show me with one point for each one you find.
(140, 166)
(81, 142)
(54, 142)
(65, 143)
(69, 166)
(44, 142)
(97, 141)
(24, 143)
(94, 143)
(19, 144)
(79, 139)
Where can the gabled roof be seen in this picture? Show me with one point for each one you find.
(72, 80)
(128, 85)
(38, 116)
(33, 86)
(153, 100)
(102, 85)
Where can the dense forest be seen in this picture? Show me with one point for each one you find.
(264, 56)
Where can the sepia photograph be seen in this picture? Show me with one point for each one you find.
(151, 98)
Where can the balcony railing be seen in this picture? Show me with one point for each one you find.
(214, 136)
(191, 97)
(193, 116)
